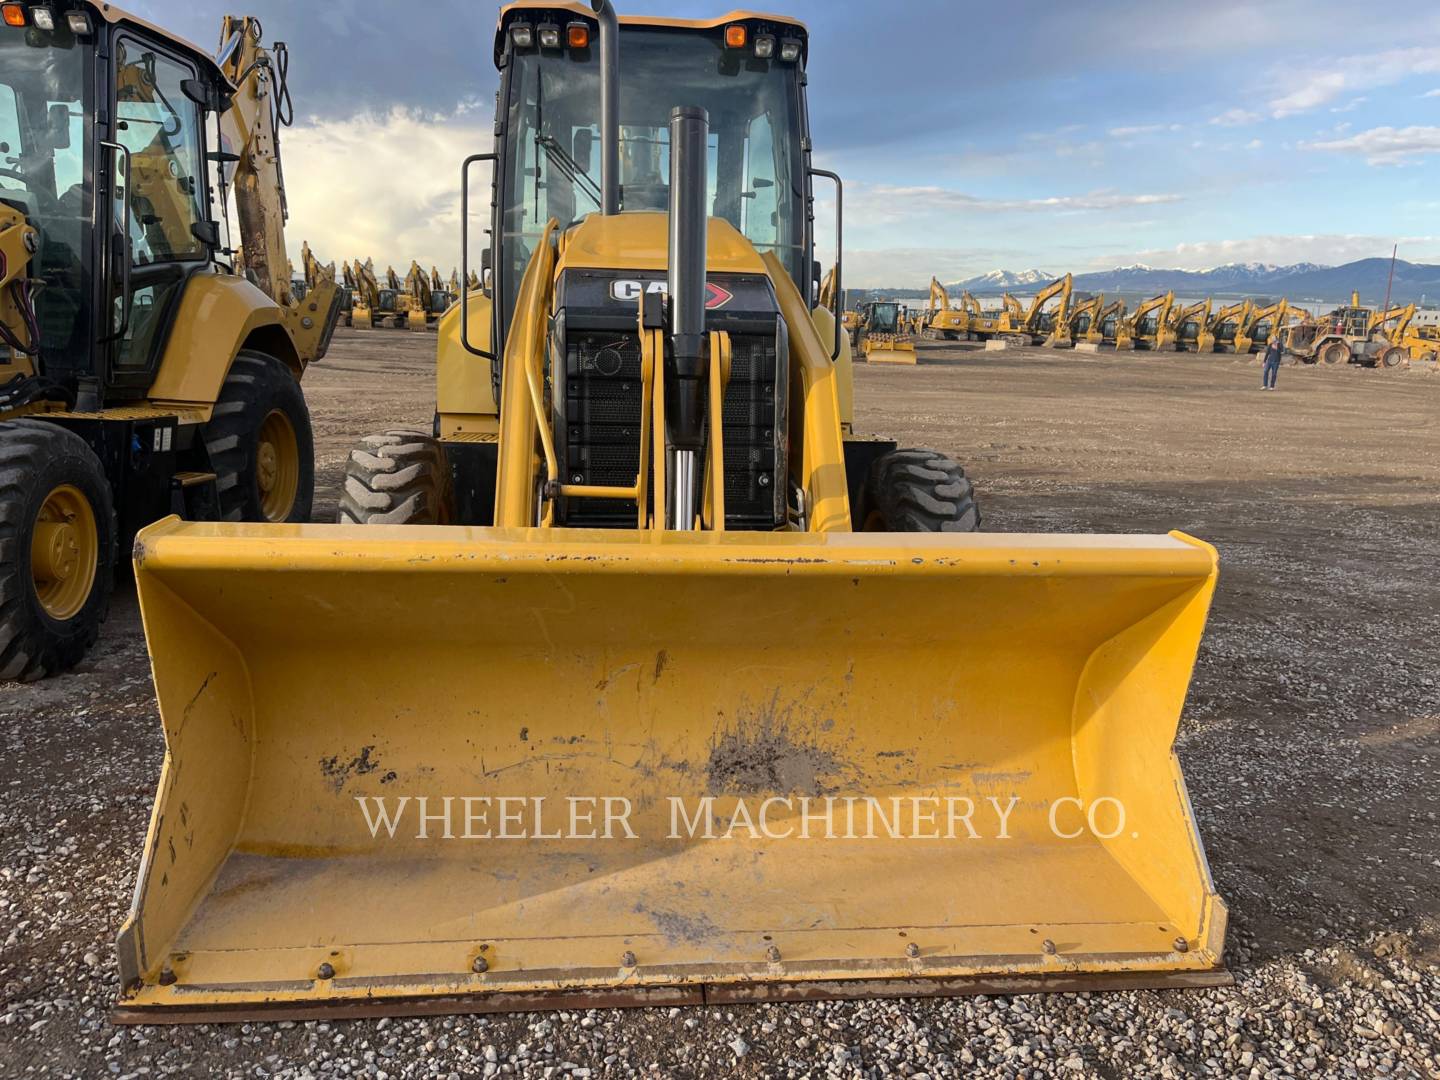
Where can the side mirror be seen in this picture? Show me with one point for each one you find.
(207, 232)
(582, 149)
(486, 273)
(58, 120)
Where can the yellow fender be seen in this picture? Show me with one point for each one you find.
(219, 315)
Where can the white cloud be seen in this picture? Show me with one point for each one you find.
(1301, 88)
(1350, 106)
(1386, 145)
(1431, 93)
(921, 199)
(1236, 118)
(386, 187)
(1254, 144)
(1141, 129)
(1326, 249)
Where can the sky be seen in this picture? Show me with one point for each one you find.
(971, 136)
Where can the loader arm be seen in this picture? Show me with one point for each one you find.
(939, 299)
(250, 128)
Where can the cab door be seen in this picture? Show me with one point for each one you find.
(160, 198)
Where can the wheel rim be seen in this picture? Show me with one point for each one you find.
(277, 466)
(64, 552)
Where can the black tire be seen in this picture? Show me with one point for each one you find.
(256, 387)
(37, 459)
(918, 491)
(398, 478)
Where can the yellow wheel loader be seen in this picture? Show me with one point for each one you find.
(883, 335)
(140, 376)
(645, 681)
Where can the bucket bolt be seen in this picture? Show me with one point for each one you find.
(479, 965)
(167, 976)
(325, 971)
(1047, 947)
(1181, 945)
(912, 950)
(772, 954)
(628, 960)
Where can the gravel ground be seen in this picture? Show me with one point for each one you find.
(1311, 745)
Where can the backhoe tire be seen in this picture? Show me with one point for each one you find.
(57, 549)
(398, 478)
(1394, 356)
(260, 444)
(918, 491)
(1336, 352)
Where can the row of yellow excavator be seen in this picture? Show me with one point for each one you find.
(414, 302)
(1056, 318)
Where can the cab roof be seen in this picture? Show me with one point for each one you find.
(115, 16)
(574, 9)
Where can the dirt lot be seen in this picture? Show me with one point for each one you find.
(1311, 744)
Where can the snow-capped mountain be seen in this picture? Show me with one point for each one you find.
(1005, 279)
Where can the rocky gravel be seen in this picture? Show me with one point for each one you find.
(1311, 746)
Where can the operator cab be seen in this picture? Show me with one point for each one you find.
(104, 291)
(748, 74)
(884, 318)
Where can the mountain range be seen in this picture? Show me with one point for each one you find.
(1414, 282)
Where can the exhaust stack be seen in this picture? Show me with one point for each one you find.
(685, 379)
(609, 106)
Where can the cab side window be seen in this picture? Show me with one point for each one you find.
(160, 127)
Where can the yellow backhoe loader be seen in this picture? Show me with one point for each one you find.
(883, 334)
(1392, 327)
(1217, 333)
(140, 375)
(708, 694)
(945, 322)
(1141, 329)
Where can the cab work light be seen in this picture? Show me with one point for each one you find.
(522, 35)
(577, 35)
(43, 17)
(790, 50)
(14, 15)
(764, 46)
(736, 36)
(79, 22)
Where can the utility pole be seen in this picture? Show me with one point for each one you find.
(1393, 252)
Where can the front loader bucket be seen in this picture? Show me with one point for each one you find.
(425, 769)
(890, 352)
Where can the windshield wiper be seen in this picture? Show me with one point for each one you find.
(568, 167)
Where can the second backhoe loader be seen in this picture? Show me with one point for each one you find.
(645, 682)
(141, 373)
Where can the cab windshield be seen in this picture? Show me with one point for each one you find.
(43, 163)
(552, 127)
(885, 318)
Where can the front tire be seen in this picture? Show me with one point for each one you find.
(260, 443)
(1336, 352)
(918, 491)
(398, 478)
(57, 549)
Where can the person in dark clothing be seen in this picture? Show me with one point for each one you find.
(1268, 374)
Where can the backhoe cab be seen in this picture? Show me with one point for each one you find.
(139, 374)
(656, 569)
